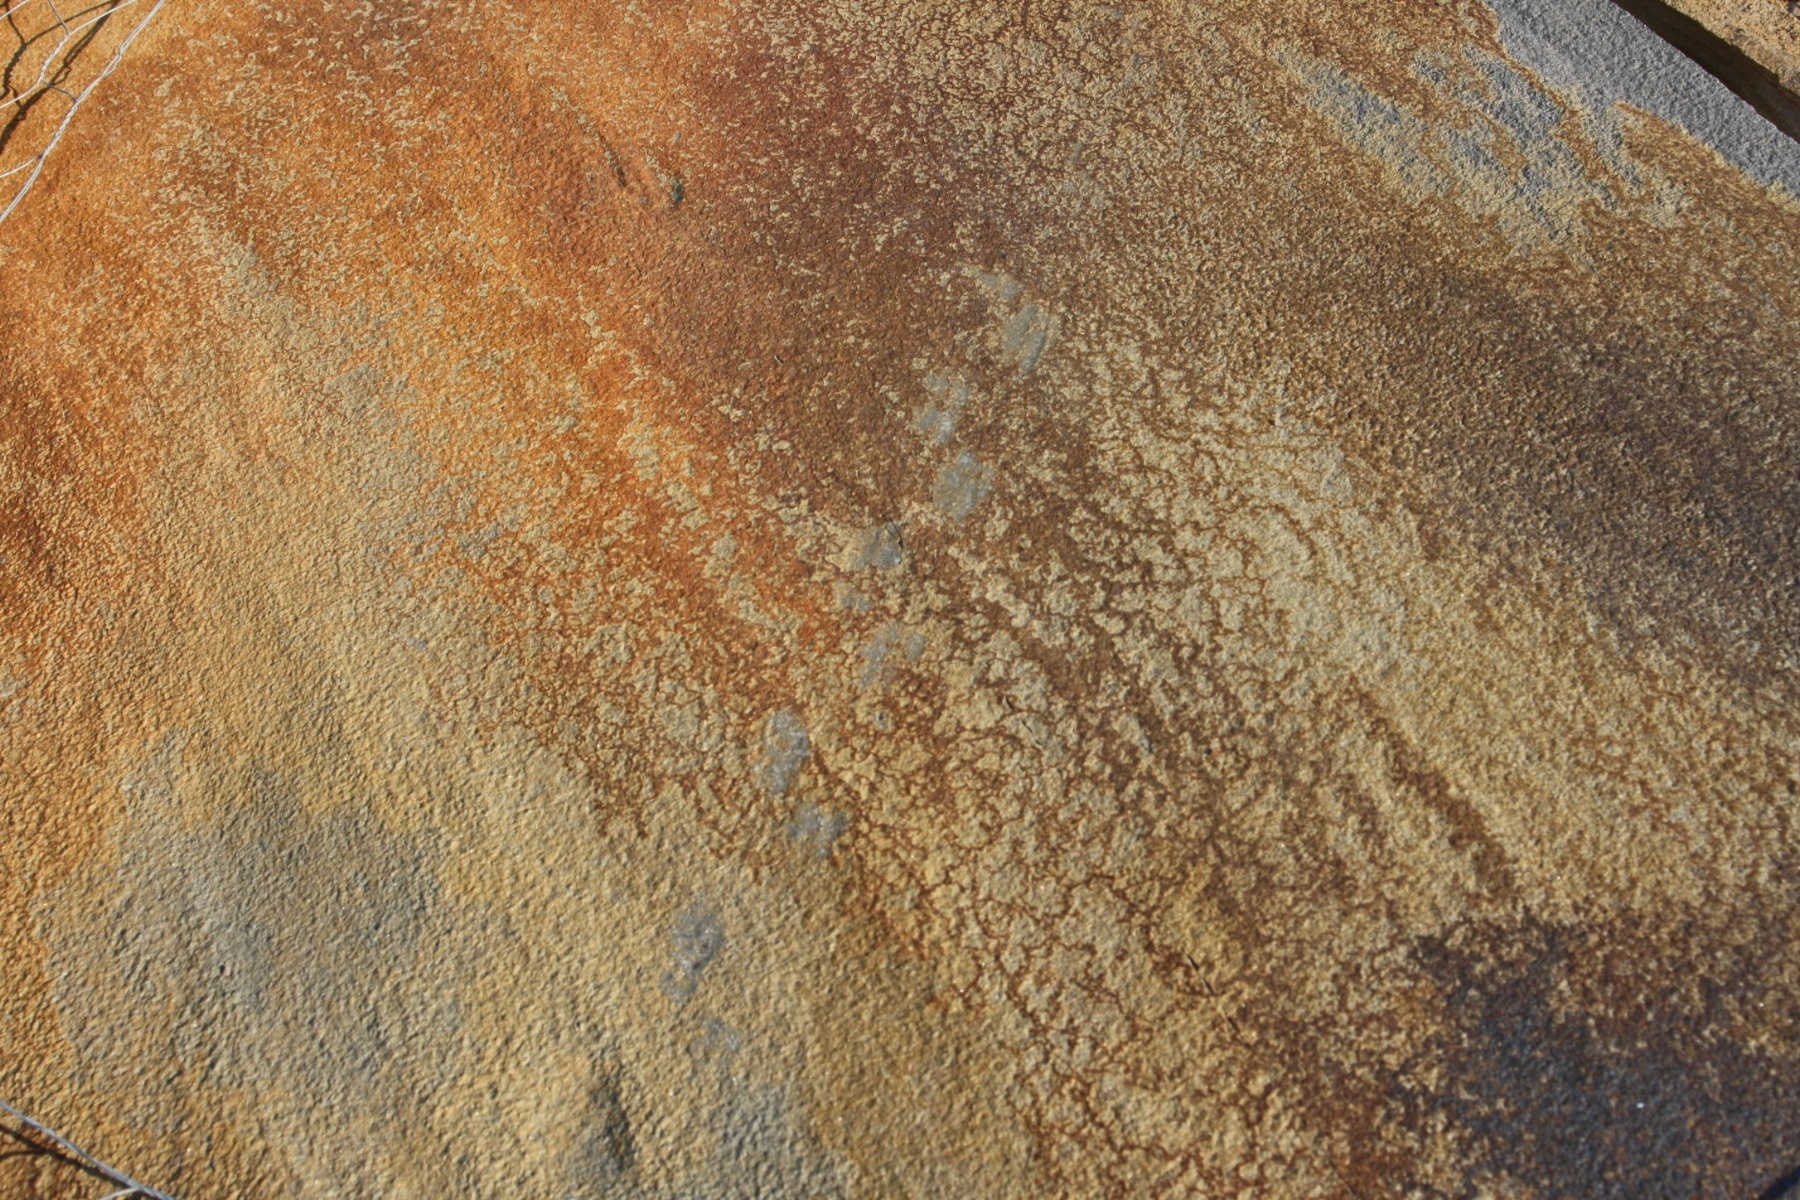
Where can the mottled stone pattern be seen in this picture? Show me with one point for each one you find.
(903, 598)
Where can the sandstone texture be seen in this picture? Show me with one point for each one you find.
(1768, 31)
(765, 598)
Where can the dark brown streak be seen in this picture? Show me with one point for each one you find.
(1784, 1188)
(1756, 84)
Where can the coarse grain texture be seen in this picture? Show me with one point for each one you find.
(1766, 31)
(904, 598)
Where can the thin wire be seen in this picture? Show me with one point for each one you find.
(37, 161)
(131, 1186)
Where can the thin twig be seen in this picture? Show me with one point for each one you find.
(54, 60)
(37, 162)
(129, 1186)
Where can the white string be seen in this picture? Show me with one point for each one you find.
(128, 1185)
(53, 62)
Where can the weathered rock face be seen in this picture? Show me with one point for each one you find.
(904, 598)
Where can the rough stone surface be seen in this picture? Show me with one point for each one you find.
(903, 598)
(1767, 31)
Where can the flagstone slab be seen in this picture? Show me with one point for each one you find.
(904, 597)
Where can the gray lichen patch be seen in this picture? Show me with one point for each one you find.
(997, 286)
(281, 948)
(963, 484)
(882, 547)
(698, 937)
(786, 747)
(949, 395)
(1025, 336)
(818, 828)
(891, 641)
